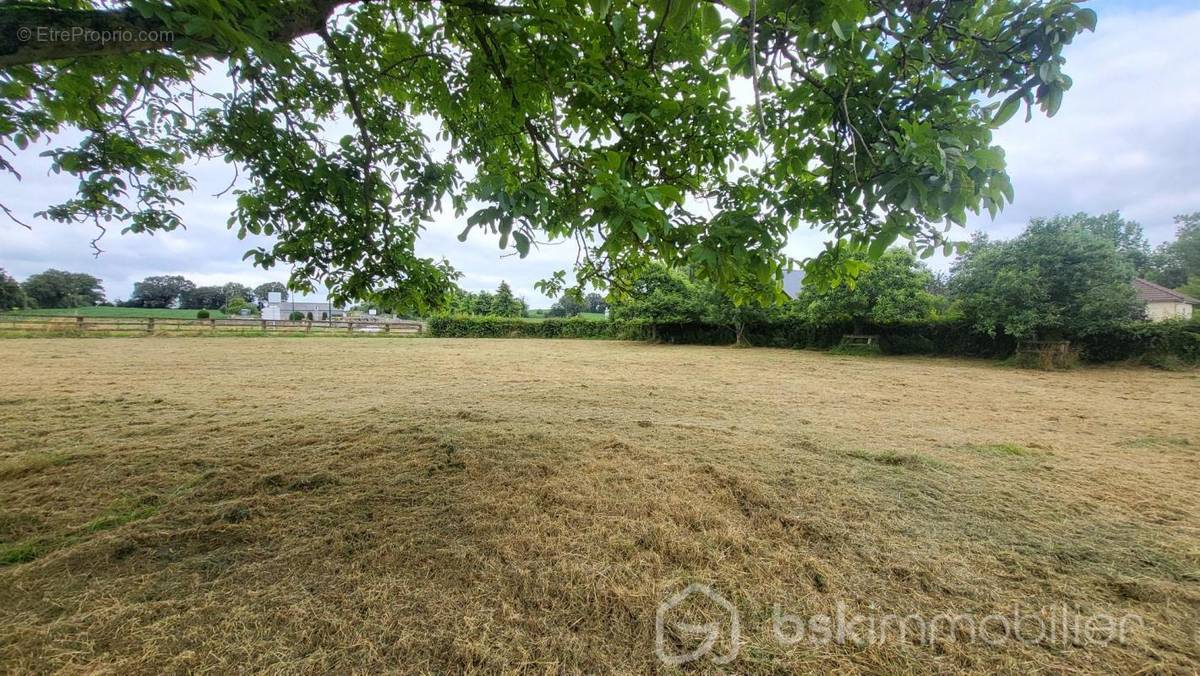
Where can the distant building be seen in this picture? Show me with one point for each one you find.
(277, 309)
(793, 282)
(1162, 303)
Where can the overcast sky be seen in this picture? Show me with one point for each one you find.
(1127, 138)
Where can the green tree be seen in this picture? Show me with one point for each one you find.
(594, 303)
(1056, 280)
(504, 304)
(1174, 263)
(159, 291)
(661, 295)
(568, 305)
(261, 291)
(232, 289)
(56, 288)
(1127, 236)
(890, 290)
(203, 297)
(11, 295)
(593, 122)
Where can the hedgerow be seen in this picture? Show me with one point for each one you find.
(1129, 341)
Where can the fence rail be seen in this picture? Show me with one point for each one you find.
(10, 323)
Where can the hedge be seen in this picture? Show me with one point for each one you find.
(504, 327)
(1132, 340)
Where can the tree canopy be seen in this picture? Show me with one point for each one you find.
(611, 124)
(11, 294)
(58, 288)
(891, 290)
(160, 291)
(1057, 278)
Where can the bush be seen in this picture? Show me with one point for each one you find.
(296, 316)
(503, 327)
(1166, 343)
(203, 314)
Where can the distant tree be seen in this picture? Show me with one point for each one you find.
(232, 289)
(661, 296)
(11, 295)
(56, 288)
(504, 304)
(892, 289)
(594, 303)
(1126, 236)
(236, 304)
(1055, 280)
(568, 305)
(1174, 263)
(160, 291)
(261, 291)
(201, 297)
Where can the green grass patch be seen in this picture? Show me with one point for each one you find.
(1004, 448)
(1158, 442)
(121, 512)
(899, 459)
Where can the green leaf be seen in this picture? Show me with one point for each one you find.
(739, 7)
(1087, 18)
(1007, 109)
(837, 30)
(522, 241)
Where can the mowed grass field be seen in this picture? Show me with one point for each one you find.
(192, 504)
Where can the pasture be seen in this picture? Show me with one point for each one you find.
(438, 505)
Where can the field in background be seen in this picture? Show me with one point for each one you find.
(438, 505)
(105, 311)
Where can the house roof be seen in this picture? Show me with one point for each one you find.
(793, 281)
(1149, 292)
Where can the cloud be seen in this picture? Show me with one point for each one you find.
(1125, 139)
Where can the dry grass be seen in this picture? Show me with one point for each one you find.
(436, 505)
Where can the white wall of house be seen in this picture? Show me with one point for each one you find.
(1162, 311)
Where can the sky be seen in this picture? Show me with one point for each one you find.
(1126, 138)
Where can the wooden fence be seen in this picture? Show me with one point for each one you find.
(76, 325)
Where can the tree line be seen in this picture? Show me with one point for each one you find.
(61, 289)
(1063, 276)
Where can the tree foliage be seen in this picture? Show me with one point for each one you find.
(11, 295)
(1176, 264)
(609, 123)
(891, 290)
(261, 291)
(159, 291)
(1057, 278)
(57, 288)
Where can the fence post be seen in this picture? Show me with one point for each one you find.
(349, 326)
(212, 324)
(150, 325)
(264, 325)
(308, 327)
(79, 322)
(387, 328)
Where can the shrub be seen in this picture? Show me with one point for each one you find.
(1167, 343)
(203, 314)
(296, 316)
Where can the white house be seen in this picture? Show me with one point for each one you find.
(1163, 303)
(278, 309)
